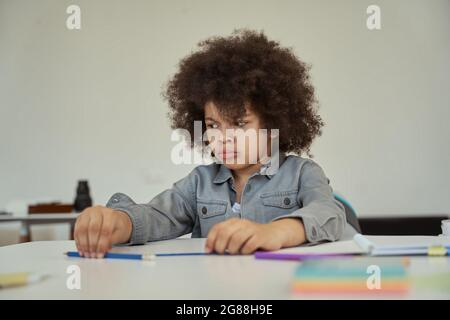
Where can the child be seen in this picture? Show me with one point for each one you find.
(247, 200)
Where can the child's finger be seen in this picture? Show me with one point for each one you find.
(238, 240)
(224, 235)
(105, 236)
(80, 233)
(212, 234)
(95, 225)
(77, 244)
(251, 245)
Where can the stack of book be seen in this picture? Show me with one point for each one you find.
(352, 275)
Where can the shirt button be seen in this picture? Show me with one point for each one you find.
(287, 201)
(204, 210)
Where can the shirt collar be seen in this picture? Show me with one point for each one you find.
(223, 174)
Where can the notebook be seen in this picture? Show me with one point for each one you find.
(403, 245)
(307, 251)
(365, 245)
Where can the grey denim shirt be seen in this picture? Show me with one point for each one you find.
(298, 189)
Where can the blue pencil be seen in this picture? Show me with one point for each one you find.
(135, 256)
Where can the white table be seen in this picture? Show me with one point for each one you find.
(186, 277)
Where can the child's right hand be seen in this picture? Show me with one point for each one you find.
(98, 228)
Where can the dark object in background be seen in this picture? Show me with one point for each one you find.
(350, 213)
(83, 198)
(402, 225)
(51, 207)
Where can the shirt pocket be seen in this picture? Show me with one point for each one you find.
(280, 199)
(210, 213)
(211, 208)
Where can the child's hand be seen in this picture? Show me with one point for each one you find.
(244, 236)
(98, 228)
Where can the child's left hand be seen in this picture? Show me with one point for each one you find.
(242, 236)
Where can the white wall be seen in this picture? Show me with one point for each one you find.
(87, 103)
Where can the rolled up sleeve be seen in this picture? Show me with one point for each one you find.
(168, 215)
(323, 217)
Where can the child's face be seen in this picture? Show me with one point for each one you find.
(240, 144)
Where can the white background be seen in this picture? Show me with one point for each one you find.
(87, 104)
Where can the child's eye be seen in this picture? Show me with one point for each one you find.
(211, 126)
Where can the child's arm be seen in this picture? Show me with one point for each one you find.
(321, 218)
(169, 215)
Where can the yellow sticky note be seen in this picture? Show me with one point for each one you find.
(437, 251)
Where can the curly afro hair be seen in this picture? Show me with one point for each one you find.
(247, 67)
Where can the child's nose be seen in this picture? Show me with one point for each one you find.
(228, 135)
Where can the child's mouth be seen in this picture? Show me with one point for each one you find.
(228, 155)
